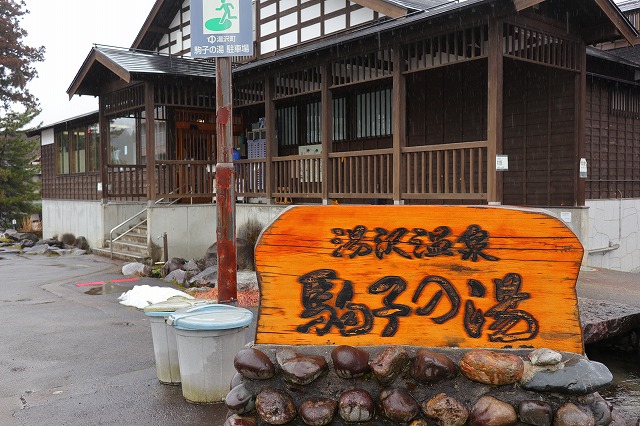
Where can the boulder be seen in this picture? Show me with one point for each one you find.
(172, 265)
(81, 243)
(135, 268)
(206, 278)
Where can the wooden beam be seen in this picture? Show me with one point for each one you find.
(525, 4)
(104, 150)
(581, 114)
(271, 142)
(387, 9)
(619, 21)
(326, 103)
(151, 142)
(399, 102)
(494, 111)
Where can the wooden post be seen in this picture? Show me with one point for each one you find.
(399, 98)
(494, 111)
(104, 151)
(326, 104)
(272, 147)
(580, 117)
(225, 185)
(151, 142)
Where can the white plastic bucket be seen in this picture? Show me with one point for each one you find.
(209, 337)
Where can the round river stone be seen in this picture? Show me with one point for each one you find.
(570, 415)
(301, 369)
(491, 368)
(490, 411)
(432, 367)
(350, 362)
(240, 400)
(356, 405)
(275, 406)
(447, 410)
(398, 405)
(318, 411)
(535, 413)
(389, 363)
(253, 364)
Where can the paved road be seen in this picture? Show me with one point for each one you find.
(71, 358)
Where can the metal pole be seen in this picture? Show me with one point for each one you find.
(225, 187)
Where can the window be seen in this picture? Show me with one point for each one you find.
(287, 125)
(314, 123)
(339, 119)
(122, 141)
(373, 114)
(78, 150)
(625, 102)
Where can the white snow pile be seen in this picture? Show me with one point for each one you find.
(143, 295)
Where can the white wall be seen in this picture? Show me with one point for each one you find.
(191, 229)
(614, 227)
(81, 218)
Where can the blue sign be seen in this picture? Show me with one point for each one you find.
(221, 28)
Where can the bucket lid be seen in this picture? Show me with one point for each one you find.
(210, 317)
(175, 303)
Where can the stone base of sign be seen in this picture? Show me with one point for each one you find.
(332, 385)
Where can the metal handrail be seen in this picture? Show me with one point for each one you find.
(112, 240)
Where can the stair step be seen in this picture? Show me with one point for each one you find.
(128, 256)
(135, 238)
(124, 246)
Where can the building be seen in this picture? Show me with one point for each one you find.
(373, 101)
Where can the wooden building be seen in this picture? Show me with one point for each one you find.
(372, 101)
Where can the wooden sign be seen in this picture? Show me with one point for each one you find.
(434, 276)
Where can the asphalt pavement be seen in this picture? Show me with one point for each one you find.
(72, 355)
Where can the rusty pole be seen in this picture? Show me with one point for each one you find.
(225, 186)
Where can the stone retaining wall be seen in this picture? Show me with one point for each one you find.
(329, 385)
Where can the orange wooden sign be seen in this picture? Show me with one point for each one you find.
(434, 276)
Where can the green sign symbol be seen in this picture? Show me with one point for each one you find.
(224, 22)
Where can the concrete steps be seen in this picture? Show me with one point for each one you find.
(130, 247)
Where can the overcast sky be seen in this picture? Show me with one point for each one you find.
(68, 29)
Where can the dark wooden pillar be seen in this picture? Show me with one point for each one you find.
(399, 99)
(103, 125)
(271, 142)
(326, 104)
(150, 142)
(580, 117)
(494, 111)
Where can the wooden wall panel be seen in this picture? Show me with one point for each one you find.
(81, 186)
(612, 144)
(539, 135)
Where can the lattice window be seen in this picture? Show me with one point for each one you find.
(298, 83)
(542, 47)
(373, 114)
(444, 49)
(248, 93)
(314, 123)
(624, 102)
(365, 67)
(339, 119)
(123, 100)
(287, 125)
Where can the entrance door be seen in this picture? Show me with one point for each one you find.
(195, 149)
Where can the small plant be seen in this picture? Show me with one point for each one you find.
(68, 239)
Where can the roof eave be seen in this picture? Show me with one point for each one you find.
(95, 56)
(617, 18)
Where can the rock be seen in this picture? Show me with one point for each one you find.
(51, 243)
(37, 249)
(253, 364)
(244, 255)
(236, 420)
(544, 356)
(536, 413)
(135, 268)
(601, 409)
(81, 243)
(356, 405)
(192, 267)
(240, 400)
(350, 362)
(432, 367)
(570, 415)
(398, 405)
(275, 406)
(300, 369)
(172, 265)
(211, 256)
(236, 380)
(206, 278)
(178, 276)
(577, 376)
(489, 411)
(28, 236)
(491, 368)
(389, 363)
(447, 410)
(318, 411)
(247, 280)
(421, 422)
